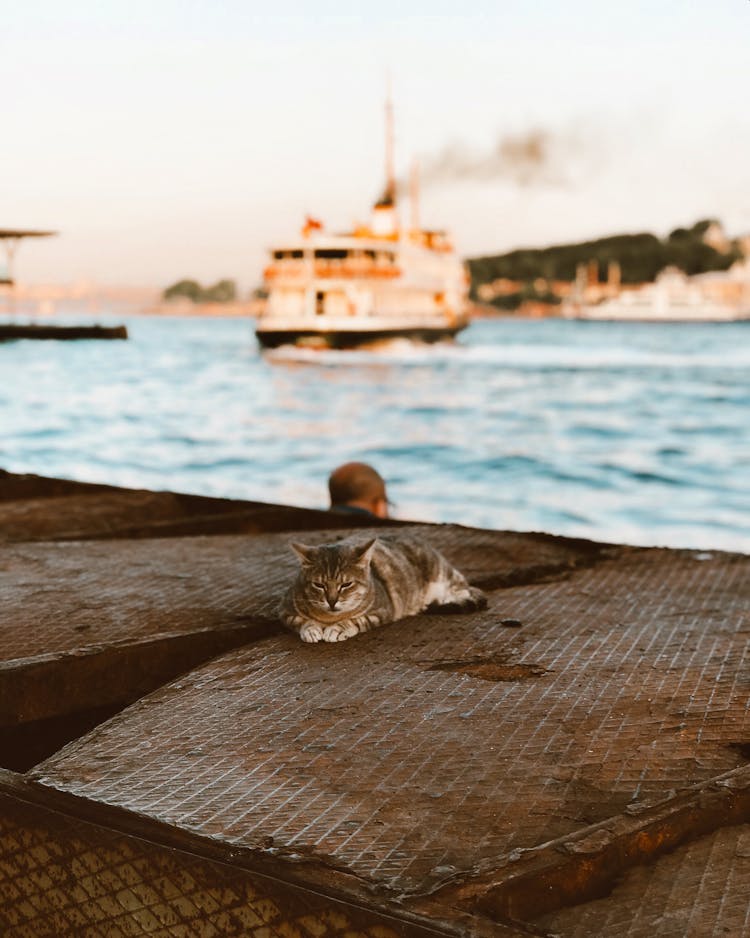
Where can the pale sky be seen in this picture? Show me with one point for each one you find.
(170, 138)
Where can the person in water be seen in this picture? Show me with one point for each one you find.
(357, 488)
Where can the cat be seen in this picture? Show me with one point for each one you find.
(355, 585)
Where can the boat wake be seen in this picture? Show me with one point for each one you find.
(384, 351)
(547, 357)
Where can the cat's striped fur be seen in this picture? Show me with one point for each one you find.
(357, 584)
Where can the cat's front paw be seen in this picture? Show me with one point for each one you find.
(340, 632)
(311, 633)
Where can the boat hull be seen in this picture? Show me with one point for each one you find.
(349, 339)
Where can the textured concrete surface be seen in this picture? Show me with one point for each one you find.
(63, 597)
(89, 623)
(573, 760)
(61, 877)
(35, 508)
(432, 747)
(700, 890)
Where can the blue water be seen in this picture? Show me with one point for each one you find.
(635, 433)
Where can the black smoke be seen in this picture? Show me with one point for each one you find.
(531, 158)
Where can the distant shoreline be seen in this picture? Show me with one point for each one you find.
(50, 308)
(108, 305)
(249, 309)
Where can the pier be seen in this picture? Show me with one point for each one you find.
(13, 331)
(574, 760)
(10, 239)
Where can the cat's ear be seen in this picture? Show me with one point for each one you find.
(363, 553)
(304, 552)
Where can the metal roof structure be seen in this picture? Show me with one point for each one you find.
(25, 233)
(11, 238)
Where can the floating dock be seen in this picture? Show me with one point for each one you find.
(12, 331)
(572, 761)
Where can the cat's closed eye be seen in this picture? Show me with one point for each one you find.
(347, 586)
(318, 586)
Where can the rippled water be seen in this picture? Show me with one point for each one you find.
(637, 433)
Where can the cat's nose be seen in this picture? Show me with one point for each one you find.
(332, 600)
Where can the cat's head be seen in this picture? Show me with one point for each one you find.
(335, 578)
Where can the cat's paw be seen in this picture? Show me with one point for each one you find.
(340, 632)
(311, 633)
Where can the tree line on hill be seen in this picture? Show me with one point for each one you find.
(225, 291)
(641, 258)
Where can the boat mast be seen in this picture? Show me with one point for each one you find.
(384, 219)
(389, 196)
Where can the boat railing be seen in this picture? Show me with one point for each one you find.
(350, 269)
(355, 268)
(285, 269)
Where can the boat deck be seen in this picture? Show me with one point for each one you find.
(571, 761)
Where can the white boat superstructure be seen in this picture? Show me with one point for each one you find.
(378, 281)
(344, 290)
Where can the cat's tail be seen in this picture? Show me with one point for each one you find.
(477, 599)
(468, 599)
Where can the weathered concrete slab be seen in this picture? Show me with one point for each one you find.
(65, 597)
(35, 508)
(63, 875)
(699, 890)
(80, 621)
(423, 757)
(15, 485)
(511, 772)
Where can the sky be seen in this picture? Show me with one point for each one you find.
(183, 138)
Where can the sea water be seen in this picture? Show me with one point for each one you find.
(635, 433)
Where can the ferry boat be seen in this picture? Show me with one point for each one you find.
(379, 281)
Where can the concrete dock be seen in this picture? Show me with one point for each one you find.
(572, 761)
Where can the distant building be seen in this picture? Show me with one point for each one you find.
(674, 296)
(743, 242)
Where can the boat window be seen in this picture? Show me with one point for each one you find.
(287, 255)
(331, 254)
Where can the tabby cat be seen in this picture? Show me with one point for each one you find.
(354, 585)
